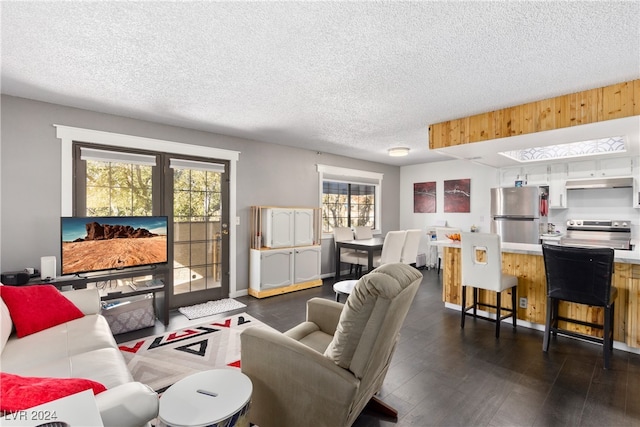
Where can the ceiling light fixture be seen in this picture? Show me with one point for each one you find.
(398, 151)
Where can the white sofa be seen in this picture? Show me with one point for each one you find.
(81, 348)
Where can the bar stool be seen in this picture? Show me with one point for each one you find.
(583, 276)
(482, 269)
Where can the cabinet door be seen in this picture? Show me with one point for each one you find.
(536, 174)
(276, 268)
(303, 227)
(279, 228)
(616, 167)
(583, 169)
(509, 176)
(306, 264)
(557, 186)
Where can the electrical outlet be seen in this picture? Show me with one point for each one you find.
(523, 302)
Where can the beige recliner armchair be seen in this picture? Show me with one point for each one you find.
(324, 371)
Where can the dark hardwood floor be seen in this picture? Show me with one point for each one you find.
(444, 376)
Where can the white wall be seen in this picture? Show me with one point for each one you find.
(483, 178)
(30, 178)
(583, 204)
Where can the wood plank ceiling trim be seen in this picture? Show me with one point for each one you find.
(594, 105)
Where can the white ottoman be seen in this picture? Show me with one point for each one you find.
(343, 287)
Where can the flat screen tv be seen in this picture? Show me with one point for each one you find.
(112, 243)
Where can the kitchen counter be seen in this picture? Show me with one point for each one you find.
(551, 237)
(627, 257)
(525, 262)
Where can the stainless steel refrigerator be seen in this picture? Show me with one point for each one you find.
(516, 214)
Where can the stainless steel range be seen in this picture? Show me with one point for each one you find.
(614, 234)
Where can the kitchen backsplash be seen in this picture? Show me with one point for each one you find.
(611, 203)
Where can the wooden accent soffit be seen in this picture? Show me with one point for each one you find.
(595, 105)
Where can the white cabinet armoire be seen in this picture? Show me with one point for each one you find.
(285, 250)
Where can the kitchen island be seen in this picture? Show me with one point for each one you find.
(525, 261)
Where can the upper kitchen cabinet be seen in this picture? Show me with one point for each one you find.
(557, 186)
(530, 175)
(616, 167)
(508, 176)
(620, 166)
(582, 169)
(536, 174)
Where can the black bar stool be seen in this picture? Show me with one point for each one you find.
(583, 276)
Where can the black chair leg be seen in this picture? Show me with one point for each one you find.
(475, 303)
(464, 306)
(514, 305)
(554, 316)
(547, 326)
(498, 295)
(439, 261)
(606, 337)
(613, 316)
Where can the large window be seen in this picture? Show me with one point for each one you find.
(347, 205)
(349, 198)
(115, 183)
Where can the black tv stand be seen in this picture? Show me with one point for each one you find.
(104, 282)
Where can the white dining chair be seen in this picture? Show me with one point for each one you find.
(441, 234)
(348, 256)
(410, 247)
(363, 232)
(391, 248)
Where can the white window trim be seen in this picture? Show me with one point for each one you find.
(353, 176)
(68, 135)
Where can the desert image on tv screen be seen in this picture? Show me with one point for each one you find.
(101, 243)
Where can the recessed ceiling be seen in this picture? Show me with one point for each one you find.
(348, 78)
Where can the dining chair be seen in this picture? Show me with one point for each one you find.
(410, 247)
(582, 276)
(441, 234)
(482, 269)
(363, 232)
(348, 256)
(391, 248)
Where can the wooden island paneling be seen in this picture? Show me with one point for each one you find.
(529, 268)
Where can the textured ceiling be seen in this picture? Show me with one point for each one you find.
(348, 78)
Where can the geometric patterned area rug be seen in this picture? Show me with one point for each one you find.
(161, 360)
(210, 308)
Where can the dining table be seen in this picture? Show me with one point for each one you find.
(370, 246)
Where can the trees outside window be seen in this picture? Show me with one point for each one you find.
(347, 205)
(118, 189)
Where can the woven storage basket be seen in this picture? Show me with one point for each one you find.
(129, 315)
